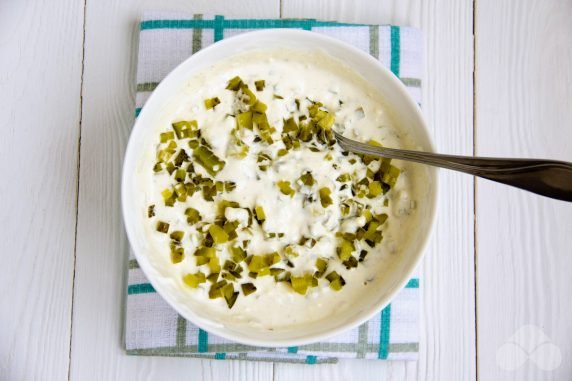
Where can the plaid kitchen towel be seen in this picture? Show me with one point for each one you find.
(152, 326)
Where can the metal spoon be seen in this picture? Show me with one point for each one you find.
(545, 177)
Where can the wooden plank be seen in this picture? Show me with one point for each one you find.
(523, 61)
(447, 350)
(41, 43)
(99, 297)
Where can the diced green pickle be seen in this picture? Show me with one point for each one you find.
(244, 120)
(374, 189)
(325, 198)
(234, 84)
(390, 177)
(212, 102)
(307, 179)
(300, 284)
(193, 280)
(166, 136)
(259, 214)
(345, 250)
(259, 85)
(208, 160)
(218, 234)
(177, 235)
(248, 288)
(193, 216)
(162, 227)
(285, 188)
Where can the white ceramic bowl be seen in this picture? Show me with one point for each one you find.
(405, 113)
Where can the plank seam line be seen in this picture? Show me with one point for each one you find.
(475, 245)
(77, 183)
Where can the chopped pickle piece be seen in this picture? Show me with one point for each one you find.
(162, 227)
(259, 85)
(212, 102)
(230, 228)
(344, 177)
(261, 120)
(234, 84)
(181, 192)
(170, 167)
(213, 277)
(193, 143)
(177, 235)
(264, 272)
(238, 254)
(283, 276)
(218, 234)
(231, 299)
(193, 280)
(325, 198)
(166, 136)
(374, 143)
(337, 284)
(248, 288)
(229, 186)
(289, 252)
(229, 265)
(336, 281)
(327, 121)
(169, 197)
(272, 258)
(381, 218)
(180, 175)
(375, 189)
(208, 160)
(371, 230)
(216, 289)
(201, 261)
(177, 254)
(207, 252)
(185, 129)
(151, 211)
(259, 214)
(259, 107)
(181, 158)
(390, 177)
(214, 265)
(350, 263)
(345, 249)
(362, 255)
(307, 179)
(158, 167)
(290, 125)
(250, 97)
(300, 284)
(193, 216)
(244, 120)
(256, 263)
(321, 266)
(285, 188)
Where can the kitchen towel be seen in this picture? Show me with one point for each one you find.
(152, 327)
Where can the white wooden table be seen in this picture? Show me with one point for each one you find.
(498, 81)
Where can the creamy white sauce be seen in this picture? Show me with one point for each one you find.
(361, 116)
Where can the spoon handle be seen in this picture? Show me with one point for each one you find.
(545, 177)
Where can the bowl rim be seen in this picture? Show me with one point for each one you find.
(129, 219)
